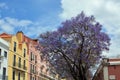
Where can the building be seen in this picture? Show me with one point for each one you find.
(34, 59)
(4, 46)
(34, 63)
(17, 57)
(109, 69)
(38, 67)
(24, 59)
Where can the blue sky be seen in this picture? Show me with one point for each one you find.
(37, 16)
(32, 13)
(31, 9)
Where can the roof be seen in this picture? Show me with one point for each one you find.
(5, 35)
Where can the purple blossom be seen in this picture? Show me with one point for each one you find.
(77, 41)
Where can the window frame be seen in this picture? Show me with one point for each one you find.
(24, 52)
(5, 54)
(15, 46)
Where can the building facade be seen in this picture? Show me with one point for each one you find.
(34, 63)
(38, 67)
(109, 69)
(4, 46)
(24, 60)
(17, 57)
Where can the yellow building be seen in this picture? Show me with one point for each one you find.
(24, 60)
(17, 56)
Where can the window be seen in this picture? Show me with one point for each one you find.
(35, 69)
(4, 73)
(23, 76)
(0, 64)
(24, 52)
(35, 59)
(24, 64)
(19, 62)
(31, 56)
(31, 68)
(0, 55)
(5, 54)
(0, 52)
(14, 49)
(19, 76)
(112, 77)
(14, 60)
(33, 78)
(13, 76)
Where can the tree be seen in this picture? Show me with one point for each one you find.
(75, 46)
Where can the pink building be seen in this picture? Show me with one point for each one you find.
(34, 64)
(38, 67)
(109, 69)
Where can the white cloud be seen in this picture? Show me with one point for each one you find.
(107, 12)
(16, 22)
(6, 28)
(37, 29)
(9, 25)
(30, 28)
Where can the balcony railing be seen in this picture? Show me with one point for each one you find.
(47, 76)
(33, 71)
(18, 65)
(3, 77)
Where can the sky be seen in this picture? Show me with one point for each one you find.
(34, 17)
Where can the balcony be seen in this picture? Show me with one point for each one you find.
(33, 71)
(3, 77)
(46, 76)
(19, 66)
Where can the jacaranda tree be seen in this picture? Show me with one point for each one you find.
(75, 46)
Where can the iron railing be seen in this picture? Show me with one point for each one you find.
(33, 71)
(3, 77)
(47, 76)
(15, 64)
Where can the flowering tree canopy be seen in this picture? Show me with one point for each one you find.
(75, 46)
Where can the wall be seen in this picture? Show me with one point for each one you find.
(4, 60)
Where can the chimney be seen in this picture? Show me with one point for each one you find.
(20, 36)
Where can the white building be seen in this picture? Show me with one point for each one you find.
(4, 47)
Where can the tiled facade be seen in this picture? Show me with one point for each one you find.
(109, 69)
